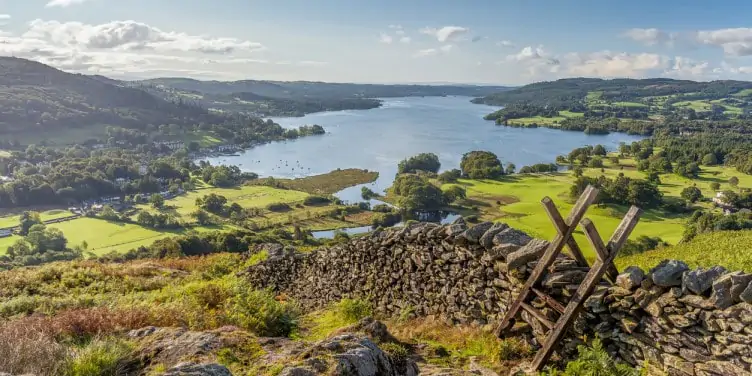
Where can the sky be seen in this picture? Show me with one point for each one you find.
(511, 42)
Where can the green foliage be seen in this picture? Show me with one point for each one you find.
(157, 201)
(481, 165)
(450, 176)
(101, 357)
(28, 219)
(593, 360)
(316, 200)
(417, 193)
(643, 243)
(278, 207)
(213, 203)
(387, 219)
(538, 168)
(259, 312)
(422, 162)
(455, 193)
(691, 194)
(343, 313)
(367, 194)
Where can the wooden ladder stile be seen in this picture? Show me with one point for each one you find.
(603, 266)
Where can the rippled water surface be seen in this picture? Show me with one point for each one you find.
(378, 139)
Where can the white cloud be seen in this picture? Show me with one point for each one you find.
(64, 3)
(505, 43)
(400, 32)
(446, 48)
(312, 63)
(131, 36)
(395, 26)
(385, 38)
(734, 41)
(426, 52)
(446, 33)
(687, 68)
(651, 36)
(535, 60)
(609, 64)
(405, 40)
(4, 17)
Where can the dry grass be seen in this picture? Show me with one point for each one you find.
(28, 347)
(454, 345)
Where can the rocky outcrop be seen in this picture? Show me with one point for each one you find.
(693, 322)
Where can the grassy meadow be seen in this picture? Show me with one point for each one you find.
(515, 199)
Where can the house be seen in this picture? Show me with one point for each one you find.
(720, 200)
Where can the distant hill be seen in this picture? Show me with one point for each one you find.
(320, 90)
(578, 89)
(36, 97)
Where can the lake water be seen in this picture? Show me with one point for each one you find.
(380, 138)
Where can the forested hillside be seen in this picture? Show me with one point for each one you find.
(36, 97)
(305, 89)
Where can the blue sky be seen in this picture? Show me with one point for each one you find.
(387, 41)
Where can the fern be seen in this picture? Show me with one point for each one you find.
(593, 360)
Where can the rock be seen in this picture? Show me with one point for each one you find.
(679, 364)
(364, 358)
(195, 369)
(511, 236)
(531, 252)
(459, 221)
(473, 234)
(631, 278)
(297, 371)
(696, 302)
(173, 345)
(455, 230)
(719, 368)
(746, 295)
(669, 273)
(487, 239)
(739, 283)
(501, 251)
(721, 295)
(699, 281)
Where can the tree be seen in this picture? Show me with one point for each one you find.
(202, 217)
(213, 203)
(691, 194)
(710, 159)
(367, 194)
(715, 185)
(144, 218)
(644, 194)
(599, 150)
(734, 181)
(481, 165)
(417, 193)
(28, 219)
(596, 162)
(510, 168)
(157, 201)
(450, 176)
(455, 193)
(421, 162)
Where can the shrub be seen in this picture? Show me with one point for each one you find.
(594, 360)
(28, 347)
(481, 165)
(421, 162)
(343, 313)
(450, 176)
(278, 207)
(382, 208)
(316, 200)
(101, 358)
(259, 312)
(385, 219)
(353, 309)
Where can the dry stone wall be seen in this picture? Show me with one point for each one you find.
(685, 322)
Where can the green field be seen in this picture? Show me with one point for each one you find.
(702, 251)
(695, 105)
(10, 221)
(325, 184)
(743, 93)
(537, 120)
(105, 236)
(250, 196)
(570, 114)
(628, 104)
(520, 196)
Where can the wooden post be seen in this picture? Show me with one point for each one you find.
(607, 254)
(553, 250)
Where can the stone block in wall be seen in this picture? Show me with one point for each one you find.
(631, 278)
(533, 250)
(721, 295)
(487, 239)
(511, 236)
(719, 368)
(699, 281)
(668, 273)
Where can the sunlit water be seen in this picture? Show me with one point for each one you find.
(378, 139)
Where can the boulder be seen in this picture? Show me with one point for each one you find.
(196, 369)
(511, 236)
(487, 239)
(739, 283)
(459, 221)
(721, 295)
(631, 278)
(669, 273)
(473, 234)
(699, 281)
(455, 229)
(530, 252)
(746, 295)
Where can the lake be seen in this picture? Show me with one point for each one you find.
(380, 138)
